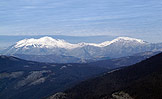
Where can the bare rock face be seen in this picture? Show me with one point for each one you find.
(34, 78)
(11, 75)
(59, 95)
(121, 95)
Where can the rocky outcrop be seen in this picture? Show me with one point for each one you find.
(121, 95)
(59, 95)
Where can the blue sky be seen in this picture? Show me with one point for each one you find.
(134, 18)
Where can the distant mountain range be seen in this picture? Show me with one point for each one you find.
(80, 52)
(139, 81)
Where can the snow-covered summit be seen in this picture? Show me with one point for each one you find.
(47, 42)
(119, 39)
(128, 39)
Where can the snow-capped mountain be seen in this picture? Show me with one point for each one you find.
(44, 42)
(119, 47)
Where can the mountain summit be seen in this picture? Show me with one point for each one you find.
(127, 39)
(44, 42)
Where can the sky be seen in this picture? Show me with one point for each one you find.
(133, 18)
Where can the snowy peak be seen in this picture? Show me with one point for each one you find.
(44, 42)
(119, 39)
(127, 39)
(46, 39)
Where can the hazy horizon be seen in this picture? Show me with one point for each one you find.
(138, 19)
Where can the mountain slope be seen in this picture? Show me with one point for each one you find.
(21, 79)
(139, 81)
(50, 58)
(108, 63)
(123, 61)
(119, 47)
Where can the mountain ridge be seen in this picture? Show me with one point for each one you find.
(22, 79)
(138, 81)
